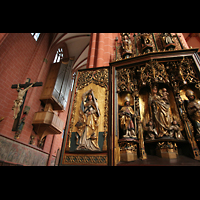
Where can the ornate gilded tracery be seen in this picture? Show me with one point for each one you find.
(163, 111)
(88, 124)
(146, 103)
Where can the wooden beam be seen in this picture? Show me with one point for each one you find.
(188, 37)
(26, 85)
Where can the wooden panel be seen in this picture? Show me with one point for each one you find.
(57, 122)
(98, 80)
(51, 92)
(43, 117)
(47, 123)
(50, 82)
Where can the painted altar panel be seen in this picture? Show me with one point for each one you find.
(86, 133)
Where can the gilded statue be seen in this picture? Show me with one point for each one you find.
(160, 106)
(150, 130)
(167, 38)
(193, 109)
(175, 131)
(126, 115)
(146, 42)
(126, 45)
(146, 38)
(167, 41)
(19, 101)
(87, 124)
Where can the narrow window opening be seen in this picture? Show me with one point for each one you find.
(35, 36)
(58, 56)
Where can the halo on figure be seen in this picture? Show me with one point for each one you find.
(123, 97)
(127, 98)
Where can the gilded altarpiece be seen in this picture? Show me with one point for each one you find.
(156, 106)
(86, 135)
(139, 106)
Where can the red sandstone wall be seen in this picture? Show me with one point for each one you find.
(16, 53)
(101, 49)
(193, 40)
(182, 39)
(22, 57)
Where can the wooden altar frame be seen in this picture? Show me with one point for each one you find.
(112, 154)
(101, 158)
(165, 56)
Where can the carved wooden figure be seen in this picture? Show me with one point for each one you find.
(88, 123)
(126, 119)
(19, 102)
(193, 109)
(126, 45)
(20, 99)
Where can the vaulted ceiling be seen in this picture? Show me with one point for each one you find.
(78, 47)
(190, 35)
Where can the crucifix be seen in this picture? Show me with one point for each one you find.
(19, 102)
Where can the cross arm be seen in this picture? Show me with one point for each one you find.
(37, 84)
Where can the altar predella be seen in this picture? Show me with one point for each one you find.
(145, 103)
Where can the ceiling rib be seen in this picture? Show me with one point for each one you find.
(78, 46)
(80, 55)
